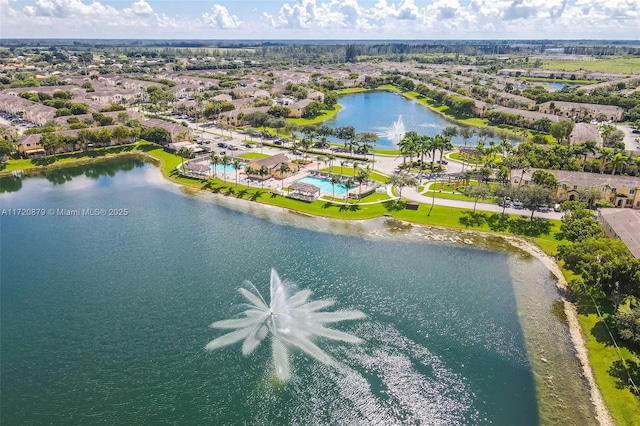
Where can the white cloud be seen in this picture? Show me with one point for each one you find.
(140, 8)
(67, 8)
(220, 18)
(297, 15)
(6, 10)
(327, 19)
(407, 10)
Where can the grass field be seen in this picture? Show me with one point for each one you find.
(624, 65)
(605, 362)
(324, 116)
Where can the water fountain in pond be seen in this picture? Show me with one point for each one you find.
(395, 132)
(290, 321)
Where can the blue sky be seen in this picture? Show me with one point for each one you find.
(322, 19)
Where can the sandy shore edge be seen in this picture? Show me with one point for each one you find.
(575, 330)
(363, 228)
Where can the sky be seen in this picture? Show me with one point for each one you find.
(322, 19)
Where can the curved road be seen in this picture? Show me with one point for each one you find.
(388, 165)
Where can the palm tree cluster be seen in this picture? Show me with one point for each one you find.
(413, 144)
(575, 158)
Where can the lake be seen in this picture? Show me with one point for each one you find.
(390, 115)
(105, 316)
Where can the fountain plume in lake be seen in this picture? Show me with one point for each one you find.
(395, 132)
(290, 321)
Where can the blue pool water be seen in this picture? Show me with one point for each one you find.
(220, 168)
(324, 185)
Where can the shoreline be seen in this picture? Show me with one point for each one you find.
(389, 227)
(575, 330)
(371, 228)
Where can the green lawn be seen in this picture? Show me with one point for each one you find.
(351, 90)
(603, 357)
(625, 65)
(253, 155)
(63, 160)
(348, 171)
(324, 116)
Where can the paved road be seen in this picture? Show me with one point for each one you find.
(387, 165)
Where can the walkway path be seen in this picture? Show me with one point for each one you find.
(388, 165)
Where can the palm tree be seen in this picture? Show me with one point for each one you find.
(589, 147)
(334, 181)
(400, 181)
(215, 160)
(331, 158)
(262, 172)
(619, 161)
(606, 154)
(342, 163)
(236, 166)
(444, 145)
(283, 169)
(346, 135)
(183, 153)
(361, 178)
(319, 159)
(225, 162)
(526, 166)
(348, 185)
(355, 166)
(250, 171)
(408, 146)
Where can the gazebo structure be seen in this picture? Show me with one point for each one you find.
(304, 191)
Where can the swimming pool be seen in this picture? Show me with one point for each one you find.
(324, 185)
(221, 168)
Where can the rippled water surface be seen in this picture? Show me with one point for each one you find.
(105, 318)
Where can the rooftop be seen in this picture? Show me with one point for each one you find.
(626, 224)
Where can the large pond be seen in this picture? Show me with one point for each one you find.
(105, 317)
(389, 116)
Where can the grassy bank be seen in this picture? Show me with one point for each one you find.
(622, 404)
(323, 116)
(605, 360)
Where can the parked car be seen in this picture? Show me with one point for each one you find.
(296, 152)
(278, 142)
(556, 207)
(248, 145)
(233, 148)
(443, 162)
(222, 145)
(517, 204)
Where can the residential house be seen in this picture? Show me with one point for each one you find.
(234, 118)
(297, 108)
(621, 191)
(39, 114)
(177, 131)
(115, 95)
(273, 164)
(578, 109)
(29, 146)
(623, 225)
(583, 132)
